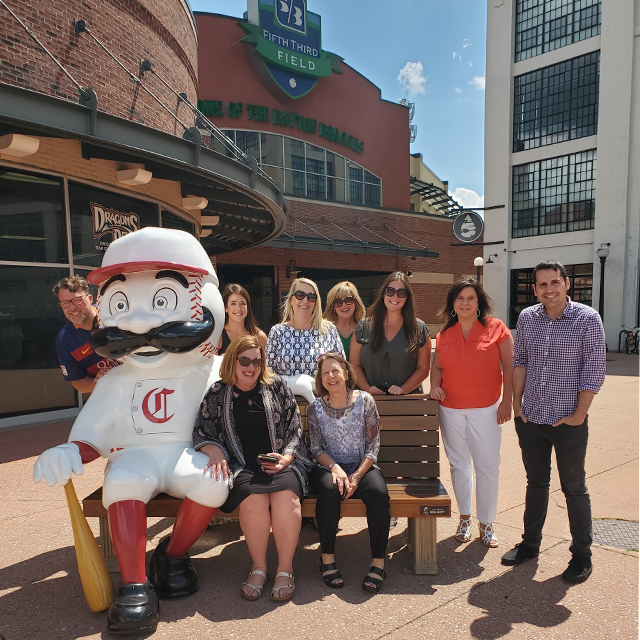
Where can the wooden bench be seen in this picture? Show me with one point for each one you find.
(408, 458)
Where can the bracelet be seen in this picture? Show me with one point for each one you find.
(331, 465)
(355, 473)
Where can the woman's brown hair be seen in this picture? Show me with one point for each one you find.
(249, 322)
(236, 348)
(485, 303)
(343, 290)
(346, 365)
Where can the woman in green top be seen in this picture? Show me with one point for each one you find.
(345, 309)
(391, 348)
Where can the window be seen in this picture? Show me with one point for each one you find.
(554, 195)
(172, 221)
(307, 170)
(556, 103)
(546, 25)
(32, 225)
(522, 296)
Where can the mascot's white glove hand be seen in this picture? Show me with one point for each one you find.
(301, 385)
(56, 465)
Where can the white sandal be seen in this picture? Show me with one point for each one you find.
(487, 536)
(283, 574)
(256, 587)
(463, 534)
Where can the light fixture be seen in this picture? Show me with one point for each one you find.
(194, 202)
(478, 262)
(18, 146)
(602, 252)
(134, 177)
(292, 270)
(492, 255)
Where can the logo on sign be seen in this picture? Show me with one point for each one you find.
(292, 14)
(286, 38)
(154, 406)
(109, 224)
(467, 226)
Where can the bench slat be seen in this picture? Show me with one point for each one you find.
(410, 469)
(407, 423)
(408, 454)
(408, 438)
(406, 407)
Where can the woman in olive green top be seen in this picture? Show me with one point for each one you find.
(345, 309)
(391, 348)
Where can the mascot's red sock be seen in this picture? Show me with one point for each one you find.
(191, 520)
(128, 528)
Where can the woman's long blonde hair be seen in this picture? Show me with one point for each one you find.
(236, 347)
(318, 323)
(342, 290)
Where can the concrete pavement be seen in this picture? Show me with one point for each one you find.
(473, 596)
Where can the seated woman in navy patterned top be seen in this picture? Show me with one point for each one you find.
(294, 345)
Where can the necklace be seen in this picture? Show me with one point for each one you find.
(346, 403)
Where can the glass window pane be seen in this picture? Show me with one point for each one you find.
(271, 150)
(173, 221)
(32, 218)
(30, 318)
(98, 217)
(293, 154)
(249, 142)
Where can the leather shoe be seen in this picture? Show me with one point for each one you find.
(135, 610)
(519, 554)
(579, 569)
(171, 577)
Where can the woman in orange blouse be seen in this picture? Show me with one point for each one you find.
(472, 367)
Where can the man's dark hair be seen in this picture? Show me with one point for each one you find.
(554, 265)
(71, 283)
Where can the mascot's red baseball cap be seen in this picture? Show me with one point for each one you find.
(153, 249)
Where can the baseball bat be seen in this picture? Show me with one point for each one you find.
(94, 575)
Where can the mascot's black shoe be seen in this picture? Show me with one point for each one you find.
(171, 577)
(135, 610)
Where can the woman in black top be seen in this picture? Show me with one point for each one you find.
(249, 413)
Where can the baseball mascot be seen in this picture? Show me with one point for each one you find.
(161, 314)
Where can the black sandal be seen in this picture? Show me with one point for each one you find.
(376, 581)
(330, 578)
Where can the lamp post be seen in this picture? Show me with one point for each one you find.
(478, 262)
(602, 252)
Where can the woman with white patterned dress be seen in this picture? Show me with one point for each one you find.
(294, 345)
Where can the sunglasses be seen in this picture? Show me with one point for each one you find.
(76, 302)
(301, 295)
(391, 291)
(338, 302)
(245, 362)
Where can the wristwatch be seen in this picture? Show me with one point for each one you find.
(331, 465)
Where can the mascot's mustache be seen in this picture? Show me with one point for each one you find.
(174, 337)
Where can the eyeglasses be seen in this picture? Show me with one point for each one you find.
(338, 302)
(76, 302)
(301, 295)
(245, 362)
(391, 291)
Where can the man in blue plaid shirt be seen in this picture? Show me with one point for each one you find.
(559, 366)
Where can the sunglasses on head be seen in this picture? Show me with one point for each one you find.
(245, 362)
(338, 302)
(301, 295)
(391, 291)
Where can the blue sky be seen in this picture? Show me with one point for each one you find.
(431, 52)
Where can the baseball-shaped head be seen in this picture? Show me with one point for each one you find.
(158, 300)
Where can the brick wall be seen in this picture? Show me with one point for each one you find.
(158, 30)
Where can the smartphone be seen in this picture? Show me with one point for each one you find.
(265, 457)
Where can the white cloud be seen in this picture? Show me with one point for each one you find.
(467, 198)
(454, 55)
(458, 90)
(466, 43)
(469, 63)
(478, 82)
(412, 79)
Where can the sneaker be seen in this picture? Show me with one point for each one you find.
(579, 569)
(519, 554)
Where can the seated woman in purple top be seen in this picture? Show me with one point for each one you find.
(344, 430)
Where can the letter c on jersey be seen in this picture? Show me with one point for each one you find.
(159, 408)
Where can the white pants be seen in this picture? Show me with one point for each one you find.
(472, 439)
(140, 473)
